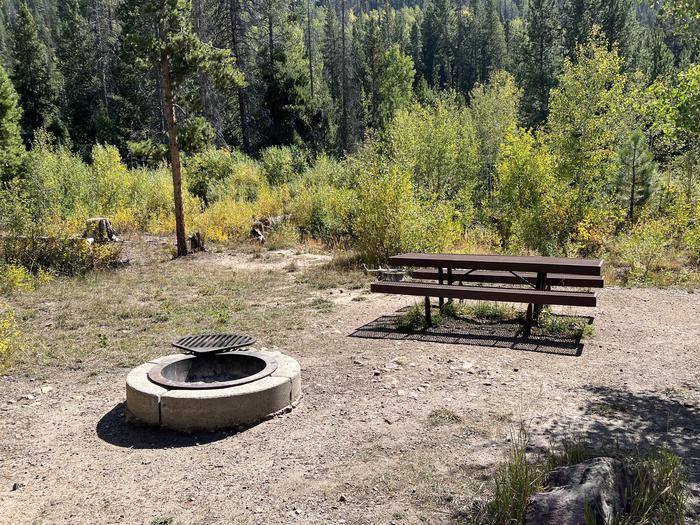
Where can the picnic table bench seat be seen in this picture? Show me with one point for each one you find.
(486, 293)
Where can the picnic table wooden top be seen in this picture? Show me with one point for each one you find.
(501, 262)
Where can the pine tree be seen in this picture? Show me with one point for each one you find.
(542, 59)
(11, 148)
(659, 58)
(614, 16)
(493, 55)
(330, 50)
(77, 57)
(287, 92)
(468, 46)
(415, 50)
(135, 105)
(237, 34)
(160, 33)
(439, 29)
(370, 67)
(4, 37)
(577, 22)
(33, 78)
(636, 178)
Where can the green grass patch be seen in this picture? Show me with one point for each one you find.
(322, 305)
(659, 490)
(565, 326)
(329, 275)
(442, 416)
(548, 324)
(482, 310)
(605, 409)
(414, 319)
(162, 521)
(124, 317)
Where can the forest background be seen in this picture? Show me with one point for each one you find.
(543, 126)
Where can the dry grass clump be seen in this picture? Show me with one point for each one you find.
(656, 496)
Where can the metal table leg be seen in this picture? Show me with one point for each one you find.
(534, 310)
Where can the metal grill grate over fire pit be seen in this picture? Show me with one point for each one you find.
(206, 344)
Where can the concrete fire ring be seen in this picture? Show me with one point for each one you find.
(215, 408)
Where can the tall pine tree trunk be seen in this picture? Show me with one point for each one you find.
(170, 127)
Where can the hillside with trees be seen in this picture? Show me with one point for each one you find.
(557, 127)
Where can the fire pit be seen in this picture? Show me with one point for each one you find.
(213, 388)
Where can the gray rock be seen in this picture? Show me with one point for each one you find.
(597, 485)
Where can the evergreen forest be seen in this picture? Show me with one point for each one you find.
(559, 127)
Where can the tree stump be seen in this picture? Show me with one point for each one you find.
(99, 230)
(197, 243)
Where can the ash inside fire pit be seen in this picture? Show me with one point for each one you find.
(213, 371)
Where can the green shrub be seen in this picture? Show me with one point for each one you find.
(482, 310)
(150, 200)
(321, 204)
(657, 493)
(15, 278)
(437, 145)
(642, 250)
(15, 208)
(530, 204)
(692, 243)
(513, 483)
(59, 254)
(59, 187)
(215, 174)
(244, 182)
(226, 219)
(195, 135)
(324, 212)
(390, 218)
(413, 319)
(282, 164)
(112, 180)
(285, 235)
(549, 324)
(147, 152)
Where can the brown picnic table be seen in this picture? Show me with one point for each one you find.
(523, 279)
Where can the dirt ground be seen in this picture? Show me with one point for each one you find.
(366, 444)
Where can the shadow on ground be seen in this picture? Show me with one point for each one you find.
(623, 421)
(114, 429)
(499, 334)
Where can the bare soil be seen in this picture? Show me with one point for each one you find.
(374, 439)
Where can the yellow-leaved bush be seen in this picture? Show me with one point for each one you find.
(390, 218)
(8, 334)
